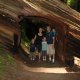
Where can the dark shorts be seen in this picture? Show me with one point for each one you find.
(39, 47)
(44, 53)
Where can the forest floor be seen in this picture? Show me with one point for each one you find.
(14, 68)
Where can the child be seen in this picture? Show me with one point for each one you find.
(44, 48)
(32, 50)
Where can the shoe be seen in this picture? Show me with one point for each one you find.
(44, 59)
(33, 59)
(49, 59)
(52, 60)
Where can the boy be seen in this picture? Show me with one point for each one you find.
(32, 50)
(50, 37)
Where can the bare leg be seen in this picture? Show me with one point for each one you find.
(39, 56)
(45, 58)
(49, 57)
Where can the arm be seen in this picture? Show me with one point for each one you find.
(35, 37)
(53, 40)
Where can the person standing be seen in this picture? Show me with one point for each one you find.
(44, 48)
(32, 50)
(50, 37)
(38, 42)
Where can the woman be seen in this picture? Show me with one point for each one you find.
(38, 41)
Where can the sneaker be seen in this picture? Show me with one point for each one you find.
(52, 60)
(33, 59)
(43, 59)
(49, 59)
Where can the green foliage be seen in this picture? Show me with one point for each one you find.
(70, 2)
(6, 62)
(24, 37)
(75, 4)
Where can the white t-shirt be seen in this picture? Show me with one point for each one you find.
(44, 46)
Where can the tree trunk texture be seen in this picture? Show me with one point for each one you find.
(66, 19)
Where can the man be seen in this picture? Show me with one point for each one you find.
(50, 37)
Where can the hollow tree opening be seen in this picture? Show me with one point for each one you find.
(30, 25)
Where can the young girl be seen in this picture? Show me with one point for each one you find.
(32, 50)
(44, 48)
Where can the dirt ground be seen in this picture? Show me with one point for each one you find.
(19, 69)
(25, 72)
(41, 71)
